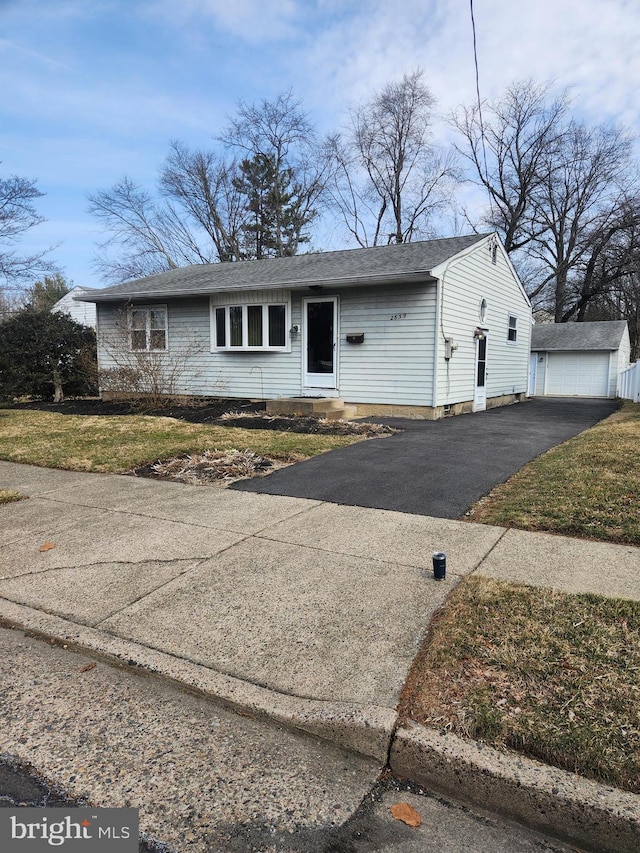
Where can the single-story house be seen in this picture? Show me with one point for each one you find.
(82, 312)
(578, 359)
(420, 329)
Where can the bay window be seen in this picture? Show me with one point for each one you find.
(250, 327)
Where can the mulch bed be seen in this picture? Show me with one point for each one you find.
(247, 414)
(196, 414)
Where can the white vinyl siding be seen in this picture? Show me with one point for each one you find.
(619, 363)
(396, 362)
(467, 281)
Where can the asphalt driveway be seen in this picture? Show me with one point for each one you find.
(438, 468)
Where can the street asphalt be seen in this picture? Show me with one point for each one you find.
(437, 468)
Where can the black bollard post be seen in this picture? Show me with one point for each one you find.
(439, 565)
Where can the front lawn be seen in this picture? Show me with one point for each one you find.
(120, 443)
(589, 486)
(551, 675)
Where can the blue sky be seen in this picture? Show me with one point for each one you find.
(92, 90)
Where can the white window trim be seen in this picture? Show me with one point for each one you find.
(148, 309)
(510, 317)
(245, 326)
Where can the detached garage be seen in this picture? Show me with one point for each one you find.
(578, 359)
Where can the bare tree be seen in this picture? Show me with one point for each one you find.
(137, 225)
(205, 208)
(389, 179)
(18, 215)
(576, 210)
(562, 194)
(610, 263)
(507, 143)
(202, 185)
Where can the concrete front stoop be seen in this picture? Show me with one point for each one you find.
(331, 408)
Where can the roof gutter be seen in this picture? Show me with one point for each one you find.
(299, 284)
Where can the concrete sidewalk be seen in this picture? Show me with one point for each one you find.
(304, 611)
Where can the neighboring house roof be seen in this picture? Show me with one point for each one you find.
(606, 335)
(378, 265)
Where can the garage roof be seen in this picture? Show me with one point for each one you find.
(378, 265)
(606, 335)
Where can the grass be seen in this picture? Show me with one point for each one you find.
(586, 487)
(552, 675)
(120, 443)
(7, 496)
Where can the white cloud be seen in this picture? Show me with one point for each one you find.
(252, 21)
(588, 45)
(96, 88)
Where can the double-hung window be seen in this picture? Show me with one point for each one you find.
(148, 328)
(250, 327)
(512, 329)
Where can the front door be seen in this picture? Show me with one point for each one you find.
(480, 392)
(320, 343)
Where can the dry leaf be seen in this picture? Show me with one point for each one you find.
(88, 667)
(406, 813)
(47, 546)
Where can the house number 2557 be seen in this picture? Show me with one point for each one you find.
(398, 316)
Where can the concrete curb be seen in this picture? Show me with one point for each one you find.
(547, 799)
(366, 729)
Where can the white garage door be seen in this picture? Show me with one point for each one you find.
(578, 374)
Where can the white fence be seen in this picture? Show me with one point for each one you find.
(630, 383)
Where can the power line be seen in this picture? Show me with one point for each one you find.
(480, 119)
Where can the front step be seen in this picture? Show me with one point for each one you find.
(331, 408)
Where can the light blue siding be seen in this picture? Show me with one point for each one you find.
(394, 365)
(401, 360)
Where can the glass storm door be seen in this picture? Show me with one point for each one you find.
(480, 392)
(320, 343)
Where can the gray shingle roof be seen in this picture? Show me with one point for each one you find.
(606, 335)
(407, 261)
